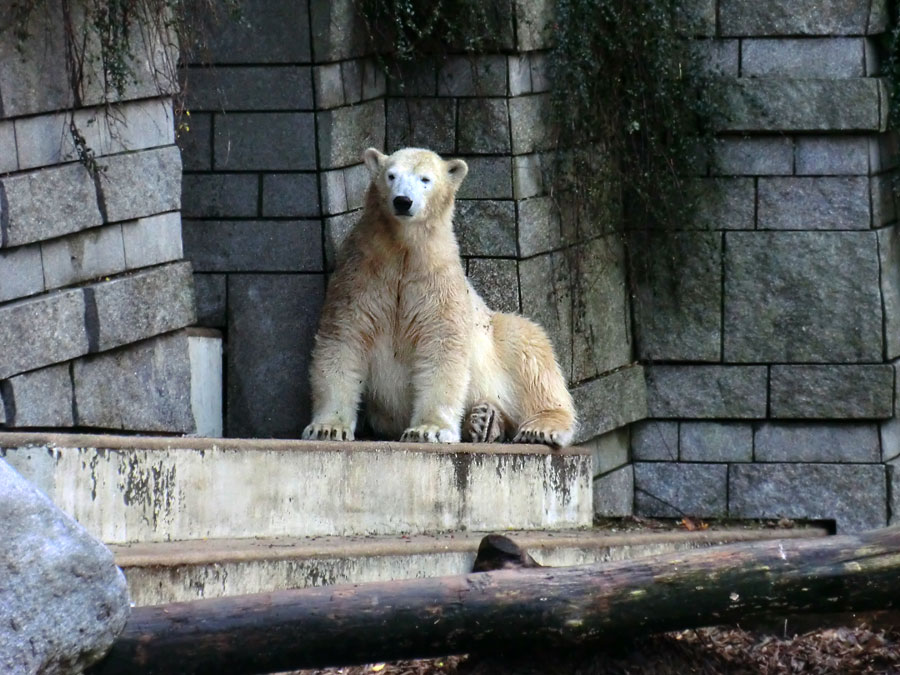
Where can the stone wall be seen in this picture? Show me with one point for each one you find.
(771, 332)
(274, 180)
(94, 291)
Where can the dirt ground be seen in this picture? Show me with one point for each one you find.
(711, 651)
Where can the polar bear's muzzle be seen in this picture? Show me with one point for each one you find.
(402, 205)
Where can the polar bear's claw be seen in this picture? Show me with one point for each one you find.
(484, 424)
(555, 438)
(426, 433)
(327, 432)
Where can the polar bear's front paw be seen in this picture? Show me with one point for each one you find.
(484, 424)
(427, 433)
(327, 432)
(556, 438)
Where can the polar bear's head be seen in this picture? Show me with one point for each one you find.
(414, 185)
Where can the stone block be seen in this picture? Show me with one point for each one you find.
(21, 272)
(364, 79)
(889, 253)
(486, 227)
(33, 74)
(610, 401)
(716, 58)
(541, 74)
(833, 155)
(802, 17)
(793, 58)
(254, 245)
(519, 69)
(152, 240)
(670, 490)
(40, 398)
(832, 392)
(473, 75)
(9, 160)
(220, 195)
(334, 192)
(488, 178)
(421, 123)
(601, 316)
(344, 133)
(893, 470)
(881, 191)
(884, 151)
(41, 331)
(64, 602)
(496, 281)
(271, 141)
(141, 387)
(609, 451)
(195, 142)
(696, 18)
(248, 88)
(336, 230)
(83, 256)
(820, 203)
(853, 495)
(753, 156)
(413, 78)
(677, 295)
(534, 24)
(140, 184)
(267, 32)
(707, 392)
(205, 355)
(539, 226)
(528, 179)
(483, 126)
(135, 307)
(802, 297)
(799, 442)
(774, 104)
(47, 203)
(211, 299)
(716, 442)
(271, 324)
(655, 440)
(529, 123)
(329, 86)
(723, 203)
(356, 182)
(293, 195)
(546, 294)
(338, 31)
(614, 493)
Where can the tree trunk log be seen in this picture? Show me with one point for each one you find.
(515, 608)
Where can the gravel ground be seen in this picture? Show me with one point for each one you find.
(710, 651)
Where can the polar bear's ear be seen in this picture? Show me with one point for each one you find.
(456, 170)
(374, 160)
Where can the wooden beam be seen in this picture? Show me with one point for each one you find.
(510, 608)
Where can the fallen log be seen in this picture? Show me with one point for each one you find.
(548, 607)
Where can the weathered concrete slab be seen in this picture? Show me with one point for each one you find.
(183, 571)
(157, 489)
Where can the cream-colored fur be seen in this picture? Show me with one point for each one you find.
(403, 327)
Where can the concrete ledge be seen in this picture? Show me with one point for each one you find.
(137, 489)
(187, 570)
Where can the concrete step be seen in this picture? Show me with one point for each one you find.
(165, 572)
(140, 489)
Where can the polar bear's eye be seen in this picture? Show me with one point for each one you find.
(426, 179)
(390, 176)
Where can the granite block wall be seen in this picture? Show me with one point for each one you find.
(770, 333)
(274, 180)
(94, 290)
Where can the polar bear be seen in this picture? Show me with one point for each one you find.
(402, 328)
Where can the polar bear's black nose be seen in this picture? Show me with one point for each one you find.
(402, 204)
